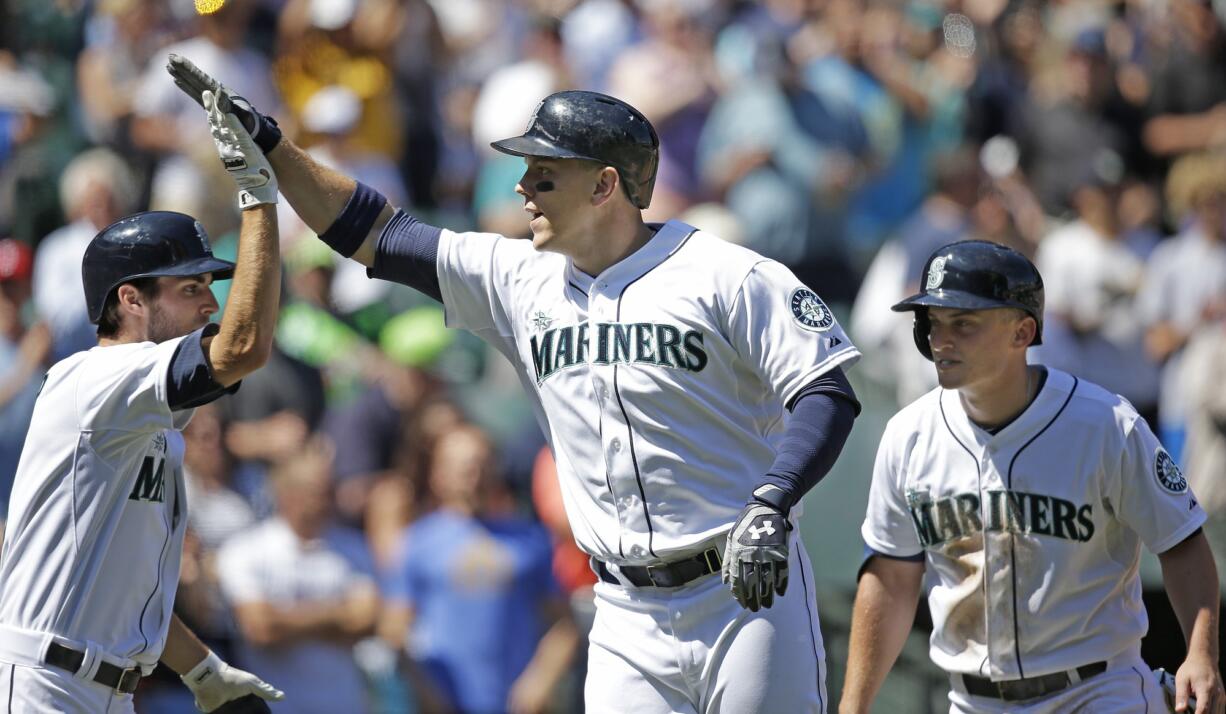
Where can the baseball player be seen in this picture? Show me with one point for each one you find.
(692, 391)
(90, 562)
(1024, 495)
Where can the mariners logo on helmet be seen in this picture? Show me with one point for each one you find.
(810, 311)
(936, 273)
(1168, 473)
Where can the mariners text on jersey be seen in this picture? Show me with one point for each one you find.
(641, 343)
(960, 516)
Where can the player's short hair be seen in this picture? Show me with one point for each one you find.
(108, 323)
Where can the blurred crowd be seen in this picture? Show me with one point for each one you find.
(380, 488)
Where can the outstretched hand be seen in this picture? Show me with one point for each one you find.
(195, 82)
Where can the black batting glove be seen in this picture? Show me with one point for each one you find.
(195, 82)
(756, 556)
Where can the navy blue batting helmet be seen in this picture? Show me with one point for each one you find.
(594, 127)
(975, 275)
(146, 245)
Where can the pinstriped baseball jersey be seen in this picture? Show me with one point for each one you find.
(660, 383)
(96, 520)
(1031, 535)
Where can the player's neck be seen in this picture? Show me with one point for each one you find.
(612, 243)
(992, 404)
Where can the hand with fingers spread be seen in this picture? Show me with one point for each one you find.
(195, 82)
(756, 556)
(249, 167)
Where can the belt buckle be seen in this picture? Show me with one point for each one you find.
(120, 684)
(652, 570)
(712, 558)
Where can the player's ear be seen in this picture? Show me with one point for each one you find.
(1024, 330)
(131, 300)
(608, 183)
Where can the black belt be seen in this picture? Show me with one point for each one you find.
(664, 575)
(1015, 690)
(108, 675)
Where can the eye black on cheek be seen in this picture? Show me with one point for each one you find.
(543, 186)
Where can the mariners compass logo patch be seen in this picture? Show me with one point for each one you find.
(1168, 473)
(810, 311)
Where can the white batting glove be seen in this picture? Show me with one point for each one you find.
(257, 184)
(214, 683)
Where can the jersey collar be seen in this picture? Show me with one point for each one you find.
(1043, 408)
(668, 238)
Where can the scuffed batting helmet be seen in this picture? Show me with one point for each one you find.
(146, 245)
(594, 127)
(975, 275)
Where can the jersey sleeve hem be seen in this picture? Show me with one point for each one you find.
(847, 357)
(189, 377)
(1179, 535)
(875, 545)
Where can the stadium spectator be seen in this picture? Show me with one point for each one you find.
(473, 594)
(24, 352)
(96, 189)
(1185, 279)
(303, 591)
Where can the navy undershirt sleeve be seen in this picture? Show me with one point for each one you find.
(407, 253)
(822, 416)
(189, 382)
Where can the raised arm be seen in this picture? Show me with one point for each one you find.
(328, 201)
(244, 342)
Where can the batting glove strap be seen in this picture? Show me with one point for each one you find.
(756, 556)
(213, 682)
(775, 497)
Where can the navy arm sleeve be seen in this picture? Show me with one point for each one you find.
(407, 253)
(190, 383)
(822, 416)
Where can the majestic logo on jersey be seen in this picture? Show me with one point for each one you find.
(946, 519)
(810, 311)
(150, 483)
(936, 274)
(617, 343)
(1168, 472)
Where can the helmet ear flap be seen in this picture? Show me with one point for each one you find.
(920, 331)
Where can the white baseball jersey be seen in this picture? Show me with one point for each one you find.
(1031, 537)
(96, 520)
(660, 383)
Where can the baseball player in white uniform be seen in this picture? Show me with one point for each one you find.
(692, 392)
(90, 562)
(1023, 496)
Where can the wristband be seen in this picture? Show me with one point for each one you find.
(348, 232)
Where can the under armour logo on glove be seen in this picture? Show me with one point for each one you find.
(756, 556)
(755, 532)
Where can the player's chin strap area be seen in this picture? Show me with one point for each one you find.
(81, 660)
(672, 574)
(1015, 690)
